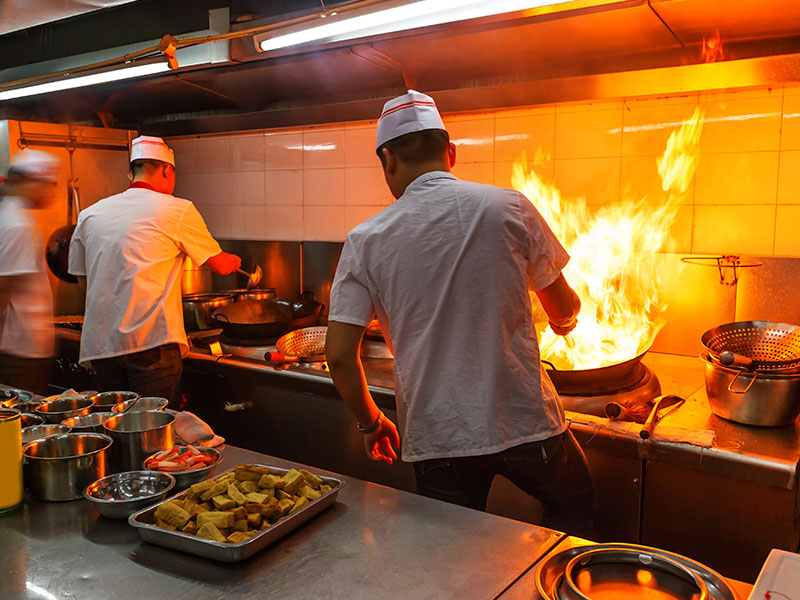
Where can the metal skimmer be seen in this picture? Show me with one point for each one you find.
(771, 346)
(307, 343)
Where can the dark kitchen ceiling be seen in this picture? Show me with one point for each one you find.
(470, 65)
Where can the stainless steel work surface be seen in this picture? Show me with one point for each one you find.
(374, 542)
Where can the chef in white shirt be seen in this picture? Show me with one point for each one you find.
(447, 269)
(26, 302)
(128, 251)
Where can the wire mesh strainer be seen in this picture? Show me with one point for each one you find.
(771, 346)
(307, 344)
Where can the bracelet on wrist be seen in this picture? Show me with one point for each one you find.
(373, 427)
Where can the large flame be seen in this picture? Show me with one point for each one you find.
(613, 253)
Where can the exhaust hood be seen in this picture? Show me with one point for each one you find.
(594, 49)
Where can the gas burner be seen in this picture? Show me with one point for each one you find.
(645, 388)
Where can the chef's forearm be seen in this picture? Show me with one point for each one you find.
(351, 383)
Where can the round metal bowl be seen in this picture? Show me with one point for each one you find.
(59, 467)
(105, 401)
(37, 432)
(93, 422)
(120, 495)
(57, 408)
(29, 420)
(183, 479)
(140, 404)
(8, 398)
(24, 405)
(138, 435)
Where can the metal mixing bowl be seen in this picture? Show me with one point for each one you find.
(37, 432)
(140, 404)
(120, 495)
(29, 420)
(59, 467)
(57, 408)
(93, 422)
(183, 479)
(105, 401)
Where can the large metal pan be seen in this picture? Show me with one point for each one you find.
(264, 319)
(595, 381)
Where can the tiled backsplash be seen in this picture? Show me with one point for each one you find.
(316, 183)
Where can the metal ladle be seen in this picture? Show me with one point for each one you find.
(252, 278)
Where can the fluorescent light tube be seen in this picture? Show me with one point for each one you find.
(85, 80)
(423, 13)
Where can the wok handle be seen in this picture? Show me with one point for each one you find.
(221, 317)
(549, 364)
(280, 357)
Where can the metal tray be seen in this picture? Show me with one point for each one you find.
(549, 571)
(224, 551)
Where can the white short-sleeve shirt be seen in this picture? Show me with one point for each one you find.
(131, 247)
(447, 269)
(28, 319)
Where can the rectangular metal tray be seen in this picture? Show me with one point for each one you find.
(224, 551)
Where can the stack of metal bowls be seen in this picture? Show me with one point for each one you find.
(138, 435)
(119, 496)
(105, 401)
(59, 467)
(55, 409)
(91, 423)
(140, 404)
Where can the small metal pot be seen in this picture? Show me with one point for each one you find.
(59, 467)
(140, 404)
(198, 308)
(91, 423)
(57, 408)
(37, 432)
(106, 401)
(752, 397)
(138, 435)
(30, 420)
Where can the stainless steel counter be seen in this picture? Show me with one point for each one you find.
(374, 542)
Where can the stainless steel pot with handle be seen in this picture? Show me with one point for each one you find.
(198, 308)
(751, 397)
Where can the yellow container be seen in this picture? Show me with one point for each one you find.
(10, 459)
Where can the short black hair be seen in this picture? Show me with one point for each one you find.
(417, 147)
(140, 165)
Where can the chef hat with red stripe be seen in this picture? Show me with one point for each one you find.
(408, 113)
(35, 164)
(146, 147)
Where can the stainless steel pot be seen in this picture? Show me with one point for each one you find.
(751, 397)
(59, 467)
(106, 401)
(138, 435)
(57, 408)
(253, 294)
(91, 423)
(198, 308)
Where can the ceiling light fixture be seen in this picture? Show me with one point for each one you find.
(85, 80)
(358, 23)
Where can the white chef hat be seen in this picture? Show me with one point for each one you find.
(36, 164)
(408, 113)
(146, 147)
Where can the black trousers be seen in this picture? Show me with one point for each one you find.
(554, 471)
(153, 372)
(30, 374)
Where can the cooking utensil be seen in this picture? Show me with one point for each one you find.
(763, 399)
(120, 495)
(145, 523)
(627, 573)
(10, 459)
(254, 278)
(183, 479)
(773, 347)
(37, 432)
(105, 401)
(30, 420)
(57, 408)
(138, 435)
(253, 294)
(198, 308)
(658, 404)
(59, 467)
(596, 381)
(267, 319)
(301, 345)
(57, 247)
(91, 423)
(140, 404)
(8, 398)
(730, 359)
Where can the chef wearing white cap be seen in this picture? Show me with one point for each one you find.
(128, 250)
(447, 269)
(26, 302)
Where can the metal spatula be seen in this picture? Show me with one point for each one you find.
(659, 403)
(253, 278)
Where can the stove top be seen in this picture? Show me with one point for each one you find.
(643, 390)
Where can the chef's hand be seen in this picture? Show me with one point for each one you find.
(563, 329)
(381, 443)
(224, 263)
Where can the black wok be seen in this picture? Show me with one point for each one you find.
(595, 381)
(263, 319)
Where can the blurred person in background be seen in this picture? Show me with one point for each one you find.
(127, 252)
(26, 301)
